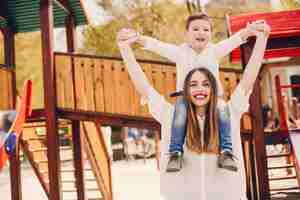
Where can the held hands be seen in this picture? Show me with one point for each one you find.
(127, 37)
(259, 28)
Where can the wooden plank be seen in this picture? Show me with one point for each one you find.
(2, 88)
(6, 77)
(80, 84)
(71, 33)
(98, 156)
(88, 82)
(158, 79)
(78, 160)
(117, 87)
(15, 173)
(170, 82)
(64, 83)
(246, 152)
(12, 93)
(131, 96)
(246, 122)
(59, 81)
(124, 86)
(108, 86)
(46, 15)
(99, 86)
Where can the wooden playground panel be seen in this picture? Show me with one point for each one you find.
(6, 86)
(102, 84)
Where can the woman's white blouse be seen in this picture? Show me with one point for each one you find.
(200, 178)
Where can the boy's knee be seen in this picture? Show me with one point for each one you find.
(223, 109)
(180, 114)
(179, 120)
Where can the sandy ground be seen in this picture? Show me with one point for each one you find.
(133, 180)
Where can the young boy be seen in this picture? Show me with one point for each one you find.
(198, 51)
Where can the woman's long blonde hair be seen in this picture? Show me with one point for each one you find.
(211, 128)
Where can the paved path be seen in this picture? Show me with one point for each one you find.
(133, 180)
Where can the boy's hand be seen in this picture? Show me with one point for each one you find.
(260, 27)
(127, 36)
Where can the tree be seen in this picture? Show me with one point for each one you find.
(150, 20)
(163, 20)
(291, 4)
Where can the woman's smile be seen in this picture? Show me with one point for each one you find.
(200, 89)
(200, 96)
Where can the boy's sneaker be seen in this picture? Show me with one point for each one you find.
(175, 162)
(226, 161)
(7, 120)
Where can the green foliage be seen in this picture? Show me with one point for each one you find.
(29, 64)
(152, 21)
(290, 4)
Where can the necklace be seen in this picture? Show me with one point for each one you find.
(201, 116)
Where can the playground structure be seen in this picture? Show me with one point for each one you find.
(283, 42)
(83, 92)
(23, 112)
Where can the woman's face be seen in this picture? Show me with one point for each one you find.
(200, 89)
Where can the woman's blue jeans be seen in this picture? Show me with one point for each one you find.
(179, 125)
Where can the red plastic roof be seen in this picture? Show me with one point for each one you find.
(283, 24)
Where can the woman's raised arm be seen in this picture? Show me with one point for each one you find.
(255, 61)
(136, 73)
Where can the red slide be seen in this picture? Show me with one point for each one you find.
(23, 111)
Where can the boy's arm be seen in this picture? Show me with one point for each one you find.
(224, 47)
(169, 51)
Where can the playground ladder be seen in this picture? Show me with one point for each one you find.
(34, 146)
(286, 180)
(289, 160)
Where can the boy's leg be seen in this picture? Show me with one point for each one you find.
(178, 132)
(226, 159)
(224, 128)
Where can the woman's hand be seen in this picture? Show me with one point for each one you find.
(126, 37)
(259, 28)
(255, 28)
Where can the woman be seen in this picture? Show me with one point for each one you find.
(201, 179)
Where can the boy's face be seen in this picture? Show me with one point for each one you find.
(199, 34)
